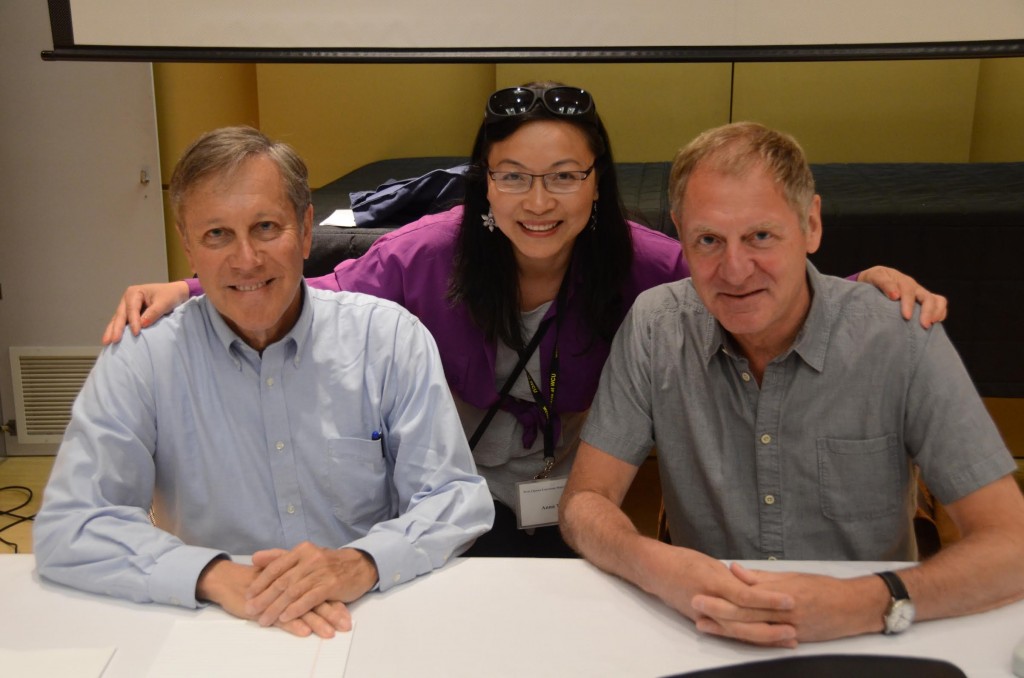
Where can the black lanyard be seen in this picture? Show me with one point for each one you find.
(547, 408)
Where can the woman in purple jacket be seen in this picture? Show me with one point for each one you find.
(523, 287)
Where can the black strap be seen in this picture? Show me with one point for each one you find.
(524, 356)
(547, 407)
(895, 585)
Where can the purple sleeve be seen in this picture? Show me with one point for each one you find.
(379, 272)
(195, 288)
(657, 258)
(325, 282)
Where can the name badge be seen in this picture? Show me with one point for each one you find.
(537, 502)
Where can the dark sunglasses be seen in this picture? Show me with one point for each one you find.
(564, 101)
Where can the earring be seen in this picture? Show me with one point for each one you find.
(488, 220)
(593, 217)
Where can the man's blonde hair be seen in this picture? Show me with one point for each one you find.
(734, 150)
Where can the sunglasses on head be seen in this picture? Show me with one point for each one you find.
(570, 102)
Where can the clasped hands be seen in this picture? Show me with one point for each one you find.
(778, 609)
(302, 590)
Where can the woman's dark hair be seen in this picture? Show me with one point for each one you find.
(485, 275)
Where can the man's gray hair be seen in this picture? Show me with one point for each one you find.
(222, 151)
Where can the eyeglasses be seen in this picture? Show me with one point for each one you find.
(560, 100)
(566, 181)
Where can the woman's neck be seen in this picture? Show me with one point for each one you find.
(539, 280)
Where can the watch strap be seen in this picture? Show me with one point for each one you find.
(895, 585)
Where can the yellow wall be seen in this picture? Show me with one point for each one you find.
(342, 116)
(865, 111)
(192, 99)
(650, 110)
(999, 122)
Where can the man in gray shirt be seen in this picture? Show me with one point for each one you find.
(792, 412)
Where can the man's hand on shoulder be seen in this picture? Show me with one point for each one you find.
(225, 583)
(292, 583)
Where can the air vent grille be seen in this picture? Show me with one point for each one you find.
(46, 382)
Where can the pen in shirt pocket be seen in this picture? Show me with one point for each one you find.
(376, 435)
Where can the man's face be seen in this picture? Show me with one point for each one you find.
(243, 240)
(747, 255)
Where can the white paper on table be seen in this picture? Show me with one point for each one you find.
(346, 218)
(69, 662)
(235, 647)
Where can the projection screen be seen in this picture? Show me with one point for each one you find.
(533, 30)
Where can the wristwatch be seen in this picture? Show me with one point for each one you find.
(900, 614)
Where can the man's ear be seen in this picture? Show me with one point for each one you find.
(185, 245)
(814, 225)
(675, 220)
(307, 232)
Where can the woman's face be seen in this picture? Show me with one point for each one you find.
(542, 225)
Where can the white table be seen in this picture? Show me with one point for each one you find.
(494, 617)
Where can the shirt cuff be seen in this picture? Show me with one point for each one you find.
(397, 560)
(174, 577)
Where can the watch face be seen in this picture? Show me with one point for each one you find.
(900, 616)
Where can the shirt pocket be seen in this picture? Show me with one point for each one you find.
(358, 480)
(859, 479)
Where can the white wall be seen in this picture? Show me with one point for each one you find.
(76, 225)
(544, 24)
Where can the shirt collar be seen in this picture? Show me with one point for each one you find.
(713, 335)
(235, 346)
(811, 342)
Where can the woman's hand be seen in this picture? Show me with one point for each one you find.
(900, 286)
(141, 305)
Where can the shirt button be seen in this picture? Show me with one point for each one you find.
(291, 508)
(766, 438)
(397, 578)
(745, 376)
(279, 446)
(270, 381)
(769, 499)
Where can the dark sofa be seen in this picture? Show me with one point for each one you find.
(956, 227)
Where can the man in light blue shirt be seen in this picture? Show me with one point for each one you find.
(314, 430)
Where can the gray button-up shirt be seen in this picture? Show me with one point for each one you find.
(816, 463)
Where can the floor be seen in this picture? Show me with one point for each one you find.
(641, 504)
(21, 479)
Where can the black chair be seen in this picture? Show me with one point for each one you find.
(834, 666)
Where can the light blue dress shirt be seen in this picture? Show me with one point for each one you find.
(343, 433)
